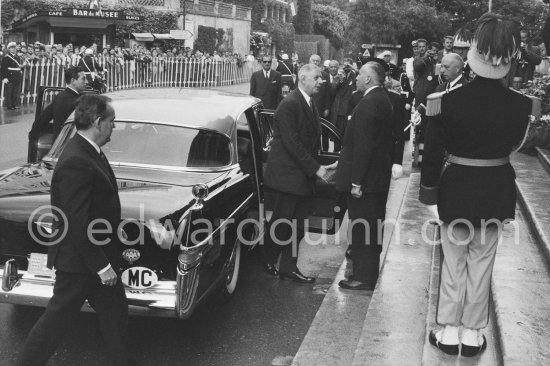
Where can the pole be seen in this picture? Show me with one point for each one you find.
(490, 5)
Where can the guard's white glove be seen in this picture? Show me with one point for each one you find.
(396, 171)
(408, 106)
(416, 118)
(5, 81)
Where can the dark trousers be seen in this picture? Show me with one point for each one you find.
(340, 123)
(12, 91)
(69, 293)
(366, 215)
(291, 207)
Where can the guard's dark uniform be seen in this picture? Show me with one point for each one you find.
(479, 125)
(90, 67)
(11, 70)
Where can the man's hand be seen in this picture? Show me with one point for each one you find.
(396, 171)
(109, 277)
(321, 172)
(356, 192)
(325, 113)
(332, 166)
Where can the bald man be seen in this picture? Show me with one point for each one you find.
(452, 67)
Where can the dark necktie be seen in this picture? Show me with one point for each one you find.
(312, 106)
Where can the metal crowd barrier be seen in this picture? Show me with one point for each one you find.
(158, 72)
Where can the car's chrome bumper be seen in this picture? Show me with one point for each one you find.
(31, 290)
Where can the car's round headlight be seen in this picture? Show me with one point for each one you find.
(200, 191)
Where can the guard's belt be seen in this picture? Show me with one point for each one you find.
(14, 68)
(478, 162)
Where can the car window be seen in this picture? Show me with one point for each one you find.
(156, 144)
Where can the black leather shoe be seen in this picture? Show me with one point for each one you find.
(350, 284)
(471, 351)
(450, 349)
(270, 268)
(297, 277)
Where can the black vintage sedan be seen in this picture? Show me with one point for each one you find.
(189, 169)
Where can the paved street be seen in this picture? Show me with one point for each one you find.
(266, 318)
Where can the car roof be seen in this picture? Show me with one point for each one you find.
(200, 108)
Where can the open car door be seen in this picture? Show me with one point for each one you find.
(40, 147)
(328, 206)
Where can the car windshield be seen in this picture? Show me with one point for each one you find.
(136, 143)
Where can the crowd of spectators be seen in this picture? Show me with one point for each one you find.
(70, 54)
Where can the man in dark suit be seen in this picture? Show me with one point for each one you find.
(478, 125)
(291, 172)
(62, 106)
(83, 191)
(364, 174)
(342, 85)
(12, 74)
(452, 70)
(530, 57)
(266, 85)
(322, 97)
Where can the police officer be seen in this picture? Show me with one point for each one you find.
(90, 67)
(12, 74)
(478, 125)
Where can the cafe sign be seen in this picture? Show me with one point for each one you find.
(81, 13)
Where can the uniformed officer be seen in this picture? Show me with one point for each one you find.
(478, 125)
(90, 66)
(12, 74)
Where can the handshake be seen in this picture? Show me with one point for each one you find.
(326, 172)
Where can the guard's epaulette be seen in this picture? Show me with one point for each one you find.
(433, 105)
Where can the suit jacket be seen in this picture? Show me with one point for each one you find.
(367, 152)
(269, 91)
(322, 98)
(530, 58)
(84, 188)
(59, 110)
(399, 122)
(340, 98)
(481, 120)
(291, 165)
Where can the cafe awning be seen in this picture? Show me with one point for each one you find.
(149, 37)
(77, 18)
(144, 37)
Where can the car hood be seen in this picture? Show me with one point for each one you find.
(144, 193)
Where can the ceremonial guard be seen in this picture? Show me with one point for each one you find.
(478, 125)
(90, 66)
(12, 75)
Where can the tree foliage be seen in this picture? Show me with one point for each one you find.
(303, 21)
(330, 22)
(282, 34)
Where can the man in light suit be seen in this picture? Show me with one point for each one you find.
(291, 172)
(84, 189)
(364, 174)
(266, 85)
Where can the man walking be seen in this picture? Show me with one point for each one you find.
(291, 172)
(452, 70)
(12, 75)
(84, 190)
(62, 106)
(364, 174)
(266, 84)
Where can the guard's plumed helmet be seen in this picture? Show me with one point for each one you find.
(494, 45)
